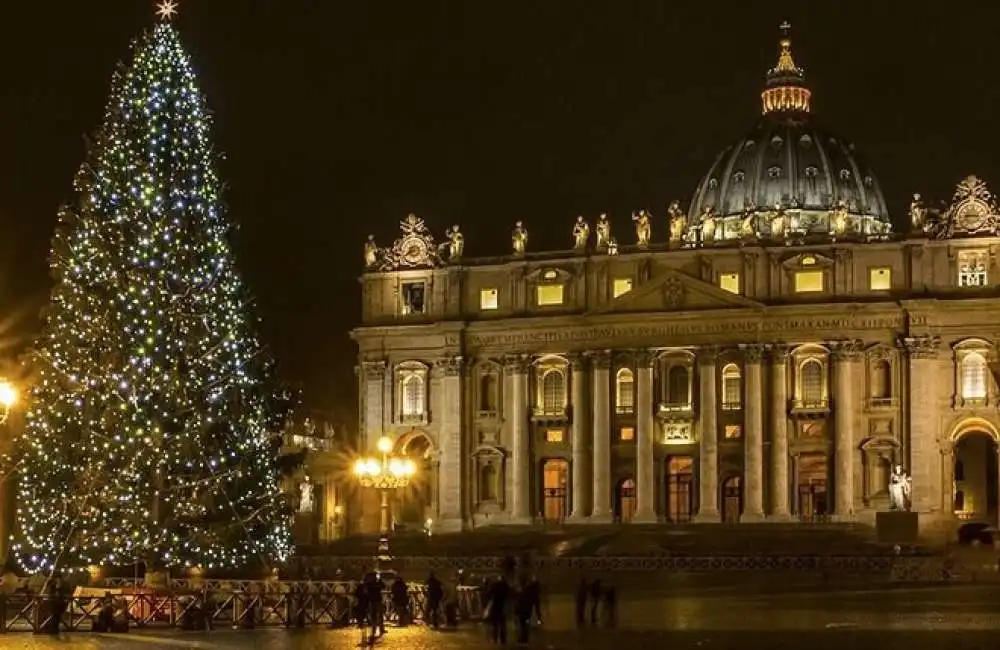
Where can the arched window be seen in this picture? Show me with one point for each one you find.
(413, 395)
(625, 391)
(973, 376)
(731, 387)
(488, 392)
(488, 483)
(678, 386)
(812, 382)
(881, 380)
(553, 391)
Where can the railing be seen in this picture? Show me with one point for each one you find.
(231, 603)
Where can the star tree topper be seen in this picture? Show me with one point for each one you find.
(166, 9)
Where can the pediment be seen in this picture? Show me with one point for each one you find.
(673, 290)
(806, 261)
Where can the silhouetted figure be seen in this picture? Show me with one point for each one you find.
(435, 595)
(610, 606)
(522, 611)
(360, 604)
(106, 616)
(534, 589)
(595, 600)
(58, 602)
(451, 604)
(582, 591)
(508, 567)
(401, 601)
(499, 593)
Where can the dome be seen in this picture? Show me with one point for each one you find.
(788, 176)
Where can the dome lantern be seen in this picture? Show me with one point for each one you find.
(785, 89)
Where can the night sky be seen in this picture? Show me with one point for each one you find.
(338, 118)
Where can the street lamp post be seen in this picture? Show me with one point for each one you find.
(8, 398)
(384, 474)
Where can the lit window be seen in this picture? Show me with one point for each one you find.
(487, 299)
(972, 269)
(973, 376)
(622, 286)
(880, 279)
(811, 383)
(549, 294)
(678, 387)
(553, 435)
(549, 275)
(626, 434)
(553, 387)
(730, 282)
(733, 432)
(625, 391)
(731, 388)
(412, 386)
(413, 298)
(808, 281)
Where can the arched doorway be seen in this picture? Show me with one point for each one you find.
(975, 478)
(811, 472)
(416, 501)
(732, 499)
(680, 495)
(625, 500)
(555, 476)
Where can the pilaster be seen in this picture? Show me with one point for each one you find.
(779, 434)
(924, 353)
(708, 443)
(645, 498)
(580, 501)
(516, 366)
(600, 363)
(449, 434)
(846, 358)
(372, 374)
(753, 437)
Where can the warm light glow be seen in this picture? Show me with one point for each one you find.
(8, 394)
(384, 445)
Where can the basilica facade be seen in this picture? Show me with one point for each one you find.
(771, 353)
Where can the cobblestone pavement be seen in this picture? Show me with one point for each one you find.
(954, 618)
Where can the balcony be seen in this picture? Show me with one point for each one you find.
(810, 407)
(542, 414)
(881, 403)
(675, 411)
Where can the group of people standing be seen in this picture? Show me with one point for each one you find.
(503, 596)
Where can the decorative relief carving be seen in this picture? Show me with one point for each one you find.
(847, 350)
(674, 293)
(577, 361)
(449, 367)
(779, 352)
(643, 358)
(600, 359)
(708, 355)
(373, 369)
(516, 364)
(753, 352)
(921, 347)
(415, 248)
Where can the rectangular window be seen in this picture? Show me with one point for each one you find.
(808, 281)
(553, 435)
(880, 279)
(622, 286)
(972, 269)
(730, 282)
(733, 432)
(487, 299)
(413, 298)
(549, 294)
(626, 434)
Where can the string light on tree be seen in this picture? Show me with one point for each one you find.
(149, 432)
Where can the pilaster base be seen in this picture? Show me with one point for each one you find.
(781, 518)
(710, 517)
(644, 518)
(752, 518)
(576, 520)
(520, 521)
(600, 518)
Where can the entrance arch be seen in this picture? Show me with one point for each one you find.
(417, 501)
(732, 498)
(625, 500)
(555, 477)
(975, 486)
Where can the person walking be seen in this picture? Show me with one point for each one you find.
(595, 600)
(435, 596)
(582, 592)
(523, 606)
(499, 594)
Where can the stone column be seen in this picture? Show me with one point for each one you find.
(520, 449)
(645, 496)
(601, 369)
(925, 463)
(372, 376)
(581, 444)
(708, 443)
(753, 438)
(451, 469)
(845, 361)
(779, 434)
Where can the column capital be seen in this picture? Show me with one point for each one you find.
(449, 366)
(643, 358)
(778, 352)
(847, 350)
(372, 369)
(516, 364)
(577, 361)
(708, 354)
(753, 352)
(599, 359)
(921, 347)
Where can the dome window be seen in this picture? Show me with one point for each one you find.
(811, 172)
(774, 172)
(713, 183)
(776, 142)
(749, 144)
(805, 141)
(738, 177)
(845, 174)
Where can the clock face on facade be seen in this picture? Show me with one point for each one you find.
(972, 220)
(414, 250)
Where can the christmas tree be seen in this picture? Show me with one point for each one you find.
(150, 436)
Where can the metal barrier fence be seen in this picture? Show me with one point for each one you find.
(277, 604)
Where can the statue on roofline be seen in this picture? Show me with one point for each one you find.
(603, 231)
(456, 243)
(678, 222)
(642, 228)
(371, 252)
(918, 212)
(581, 233)
(520, 238)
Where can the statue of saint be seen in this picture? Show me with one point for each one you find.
(838, 218)
(678, 222)
(457, 243)
(520, 238)
(918, 213)
(306, 496)
(778, 222)
(371, 252)
(581, 233)
(748, 226)
(899, 489)
(708, 224)
(642, 228)
(603, 231)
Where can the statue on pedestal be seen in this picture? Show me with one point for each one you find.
(838, 218)
(708, 224)
(642, 228)
(778, 222)
(306, 496)
(371, 252)
(899, 490)
(603, 231)
(678, 222)
(520, 238)
(456, 243)
(918, 212)
(581, 233)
